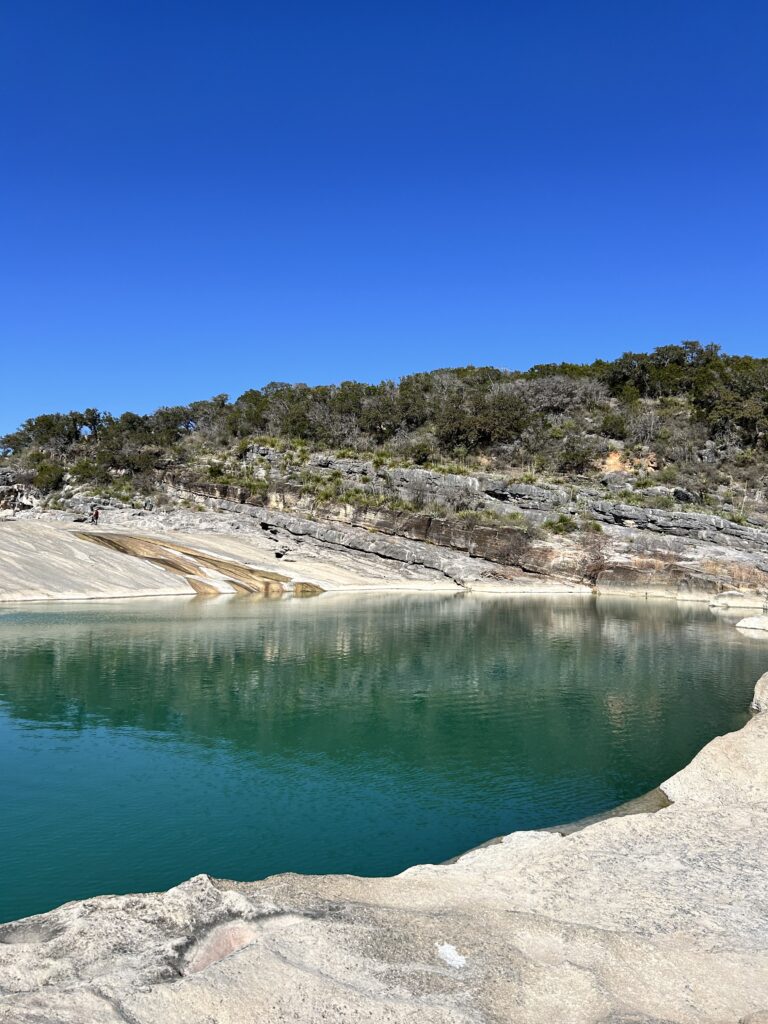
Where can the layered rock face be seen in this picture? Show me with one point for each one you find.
(15, 495)
(538, 501)
(691, 525)
(653, 917)
(500, 521)
(469, 530)
(144, 554)
(630, 555)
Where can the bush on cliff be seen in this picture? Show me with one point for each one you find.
(49, 476)
(689, 407)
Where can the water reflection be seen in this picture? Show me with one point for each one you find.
(145, 741)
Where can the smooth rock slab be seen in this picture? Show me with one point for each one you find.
(40, 561)
(754, 623)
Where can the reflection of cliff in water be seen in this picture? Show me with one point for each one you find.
(436, 682)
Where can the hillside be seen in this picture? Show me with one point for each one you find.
(683, 416)
(653, 461)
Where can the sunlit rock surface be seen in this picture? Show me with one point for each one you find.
(755, 623)
(656, 917)
(39, 561)
(134, 554)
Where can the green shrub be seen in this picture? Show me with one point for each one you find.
(421, 452)
(661, 501)
(490, 517)
(614, 425)
(664, 501)
(86, 471)
(49, 476)
(563, 524)
(451, 469)
(668, 475)
(591, 526)
(576, 455)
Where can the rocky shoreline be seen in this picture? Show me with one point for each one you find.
(47, 554)
(45, 558)
(355, 522)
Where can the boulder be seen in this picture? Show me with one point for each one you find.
(754, 624)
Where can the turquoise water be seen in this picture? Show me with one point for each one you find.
(144, 742)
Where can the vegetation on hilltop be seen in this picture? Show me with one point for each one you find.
(688, 413)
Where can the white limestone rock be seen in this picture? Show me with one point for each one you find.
(754, 623)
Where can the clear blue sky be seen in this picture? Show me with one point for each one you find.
(200, 197)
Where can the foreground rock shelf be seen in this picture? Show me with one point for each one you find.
(658, 917)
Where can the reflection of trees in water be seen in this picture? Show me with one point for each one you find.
(438, 682)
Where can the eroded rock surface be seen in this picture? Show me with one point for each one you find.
(142, 554)
(38, 561)
(657, 917)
